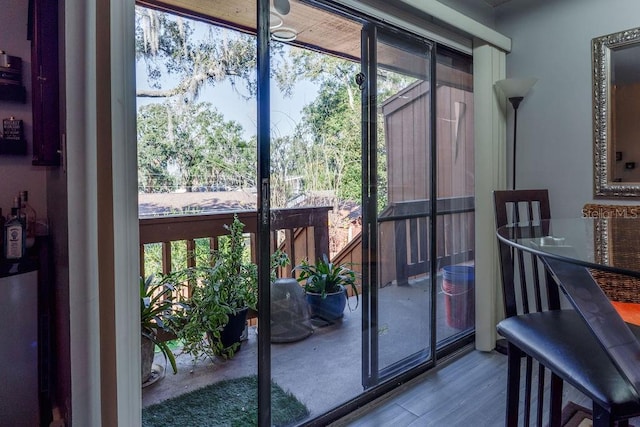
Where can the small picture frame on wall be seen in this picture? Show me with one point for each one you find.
(618, 156)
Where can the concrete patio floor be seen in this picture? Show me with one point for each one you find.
(325, 369)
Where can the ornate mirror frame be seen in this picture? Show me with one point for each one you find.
(603, 150)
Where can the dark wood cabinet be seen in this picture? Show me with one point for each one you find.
(45, 86)
(13, 93)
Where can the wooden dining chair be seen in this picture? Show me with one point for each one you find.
(537, 328)
(521, 281)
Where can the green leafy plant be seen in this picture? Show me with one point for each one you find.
(325, 277)
(223, 289)
(206, 316)
(157, 305)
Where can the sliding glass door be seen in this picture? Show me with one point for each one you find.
(331, 136)
(397, 201)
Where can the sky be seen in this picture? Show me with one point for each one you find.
(285, 112)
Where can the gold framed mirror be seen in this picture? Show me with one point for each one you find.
(616, 128)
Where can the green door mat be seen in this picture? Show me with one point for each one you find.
(227, 403)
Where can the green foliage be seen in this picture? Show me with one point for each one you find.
(233, 276)
(325, 151)
(225, 287)
(188, 145)
(179, 255)
(170, 46)
(157, 306)
(206, 316)
(154, 154)
(219, 290)
(188, 55)
(325, 277)
(331, 124)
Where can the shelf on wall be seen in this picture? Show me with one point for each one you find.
(10, 146)
(13, 93)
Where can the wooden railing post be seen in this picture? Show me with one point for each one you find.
(166, 257)
(402, 275)
(191, 253)
(321, 237)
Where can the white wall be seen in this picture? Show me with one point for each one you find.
(552, 41)
(16, 172)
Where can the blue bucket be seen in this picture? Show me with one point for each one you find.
(459, 274)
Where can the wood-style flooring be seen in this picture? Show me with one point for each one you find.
(469, 391)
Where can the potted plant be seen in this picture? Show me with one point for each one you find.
(325, 285)
(156, 313)
(222, 294)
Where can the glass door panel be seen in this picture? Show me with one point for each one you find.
(315, 167)
(455, 182)
(400, 167)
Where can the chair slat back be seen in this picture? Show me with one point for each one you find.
(527, 285)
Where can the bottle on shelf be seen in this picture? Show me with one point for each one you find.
(29, 215)
(16, 205)
(14, 236)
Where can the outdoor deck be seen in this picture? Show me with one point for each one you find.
(301, 367)
(325, 369)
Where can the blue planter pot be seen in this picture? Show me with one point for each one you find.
(331, 307)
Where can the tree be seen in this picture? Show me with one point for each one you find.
(182, 56)
(191, 145)
(325, 151)
(154, 153)
(333, 120)
(331, 125)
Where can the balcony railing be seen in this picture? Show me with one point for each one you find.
(407, 224)
(301, 233)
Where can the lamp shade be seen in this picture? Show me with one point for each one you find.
(519, 87)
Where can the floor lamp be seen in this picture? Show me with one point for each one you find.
(515, 90)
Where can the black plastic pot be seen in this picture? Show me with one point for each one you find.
(233, 329)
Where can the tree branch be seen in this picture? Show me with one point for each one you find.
(143, 93)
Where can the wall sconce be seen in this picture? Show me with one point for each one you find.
(515, 90)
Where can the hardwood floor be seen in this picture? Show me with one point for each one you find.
(469, 391)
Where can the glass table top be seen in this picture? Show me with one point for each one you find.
(610, 244)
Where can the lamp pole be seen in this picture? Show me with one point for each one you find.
(515, 89)
(515, 102)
